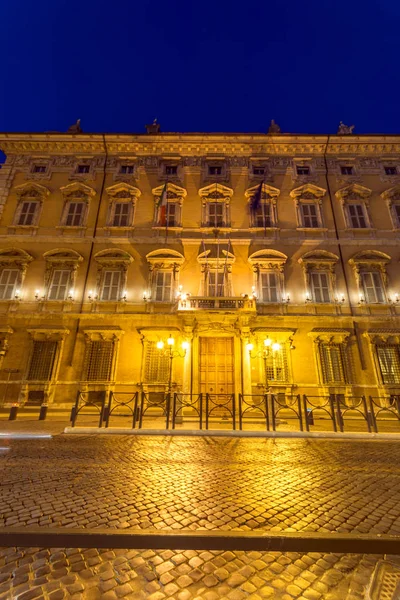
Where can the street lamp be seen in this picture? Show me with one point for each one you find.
(269, 349)
(171, 353)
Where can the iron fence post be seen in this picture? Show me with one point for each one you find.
(299, 411)
(331, 403)
(240, 411)
(367, 418)
(107, 411)
(74, 411)
(266, 411)
(306, 413)
(13, 412)
(207, 401)
(234, 411)
(273, 412)
(43, 412)
(173, 411)
(374, 421)
(167, 408)
(135, 410)
(201, 410)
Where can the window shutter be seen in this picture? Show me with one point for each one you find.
(121, 214)
(389, 363)
(320, 287)
(163, 288)
(269, 287)
(75, 213)
(373, 289)
(59, 285)
(27, 215)
(8, 281)
(111, 284)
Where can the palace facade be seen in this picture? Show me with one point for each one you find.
(111, 244)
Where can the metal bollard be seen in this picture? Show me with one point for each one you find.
(13, 412)
(43, 412)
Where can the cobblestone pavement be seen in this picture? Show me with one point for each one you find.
(90, 574)
(201, 483)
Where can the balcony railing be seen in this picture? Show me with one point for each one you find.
(217, 303)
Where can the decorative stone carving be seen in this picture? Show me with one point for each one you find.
(354, 191)
(274, 127)
(75, 128)
(344, 129)
(319, 260)
(370, 260)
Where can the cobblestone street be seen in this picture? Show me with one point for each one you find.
(162, 483)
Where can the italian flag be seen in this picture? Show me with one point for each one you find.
(162, 205)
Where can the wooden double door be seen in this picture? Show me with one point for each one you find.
(217, 368)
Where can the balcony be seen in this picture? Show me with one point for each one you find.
(217, 303)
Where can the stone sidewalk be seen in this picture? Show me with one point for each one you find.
(90, 574)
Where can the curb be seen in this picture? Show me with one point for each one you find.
(283, 541)
(236, 434)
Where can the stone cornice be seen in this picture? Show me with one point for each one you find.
(197, 144)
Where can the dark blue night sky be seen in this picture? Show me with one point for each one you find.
(200, 66)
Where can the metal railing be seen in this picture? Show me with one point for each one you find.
(253, 406)
(83, 401)
(221, 406)
(380, 408)
(317, 406)
(194, 402)
(155, 404)
(219, 302)
(289, 406)
(120, 404)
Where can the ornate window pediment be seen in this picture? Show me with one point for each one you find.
(164, 266)
(76, 204)
(308, 192)
(353, 192)
(32, 190)
(123, 190)
(216, 192)
(15, 257)
(267, 259)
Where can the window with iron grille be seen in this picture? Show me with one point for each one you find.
(110, 289)
(8, 283)
(320, 287)
(163, 286)
(75, 214)
(357, 216)
(98, 360)
(276, 366)
(333, 363)
(42, 361)
(156, 365)
(309, 215)
(263, 215)
(373, 287)
(268, 287)
(122, 212)
(28, 213)
(59, 284)
(389, 362)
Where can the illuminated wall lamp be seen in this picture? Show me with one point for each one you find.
(17, 295)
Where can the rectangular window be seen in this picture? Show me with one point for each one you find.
(156, 365)
(126, 169)
(389, 363)
(391, 170)
(163, 286)
(258, 171)
(276, 366)
(39, 169)
(171, 213)
(83, 169)
(320, 287)
(59, 284)
(309, 215)
(216, 283)
(214, 170)
(98, 360)
(121, 214)
(42, 361)
(215, 214)
(171, 170)
(28, 213)
(397, 213)
(373, 288)
(357, 216)
(268, 287)
(111, 284)
(346, 170)
(75, 214)
(333, 363)
(263, 216)
(302, 170)
(8, 283)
